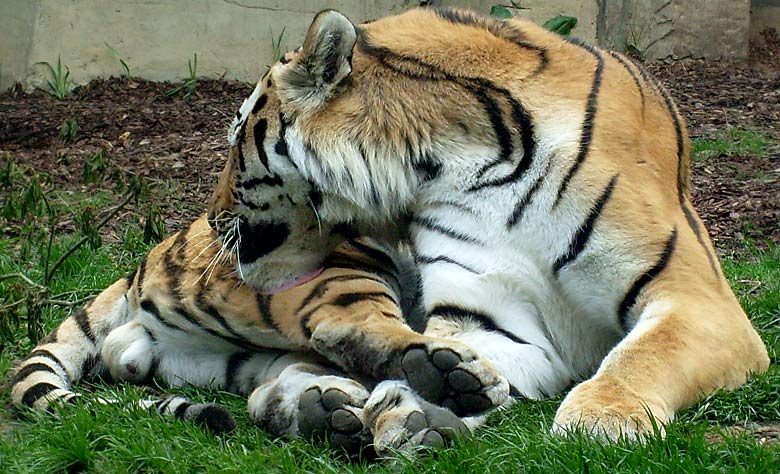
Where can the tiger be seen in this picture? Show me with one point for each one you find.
(327, 347)
(543, 187)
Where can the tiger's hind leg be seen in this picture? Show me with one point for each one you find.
(312, 401)
(292, 394)
(70, 353)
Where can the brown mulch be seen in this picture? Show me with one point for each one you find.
(183, 139)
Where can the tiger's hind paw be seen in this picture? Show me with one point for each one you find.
(402, 421)
(451, 375)
(129, 353)
(332, 409)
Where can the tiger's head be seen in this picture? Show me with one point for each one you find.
(263, 210)
(358, 120)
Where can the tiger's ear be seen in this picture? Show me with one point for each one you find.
(324, 61)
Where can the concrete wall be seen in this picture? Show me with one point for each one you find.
(233, 38)
(677, 28)
(764, 14)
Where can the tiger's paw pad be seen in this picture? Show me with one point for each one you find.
(334, 411)
(454, 377)
(402, 421)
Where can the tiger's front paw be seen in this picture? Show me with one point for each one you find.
(450, 374)
(609, 410)
(401, 420)
(129, 353)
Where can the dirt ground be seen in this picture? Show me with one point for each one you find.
(174, 138)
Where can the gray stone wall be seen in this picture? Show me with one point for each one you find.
(676, 28)
(233, 38)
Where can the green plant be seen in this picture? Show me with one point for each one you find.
(191, 83)
(121, 61)
(561, 24)
(154, 227)
(95, 166)
(276, 45)
(499, 11)
(69, 129)
(60, 82)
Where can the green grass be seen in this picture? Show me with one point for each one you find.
(109, 439)
(734, 141)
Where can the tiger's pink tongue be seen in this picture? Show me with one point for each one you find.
(306, 277)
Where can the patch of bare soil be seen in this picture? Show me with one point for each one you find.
(183, 139)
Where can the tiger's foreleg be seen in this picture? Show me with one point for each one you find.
(688, 341)
(71, 352)
(364, 333)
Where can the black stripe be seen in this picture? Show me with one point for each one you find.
(499, 28)
(625, 62)
(447, 312)
(347, 299)
(271, 180)
(503, 136)
(48, 355)
(172, 265)
(427, 168)
(426, 260)
(523, 118)
(241, 159)
(587, 123)
(212, 311)
(264, 308)
(319, 290)
(375, 254)
(280, 148)
(28, 369)
(150, 307)
(260, 103)
(433, 226)
(141, 274)
(351, 263)
(130, 277)
(32, 394)
(629, 300)
(89, 364)
(153, 367)
(583, 233)
(181, 411)
(472, 85)
(241, 139)
(83, 323)
(519, 210)
(259, 136)
(687, 211)
(234, 364)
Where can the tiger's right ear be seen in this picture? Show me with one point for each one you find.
(323, 62)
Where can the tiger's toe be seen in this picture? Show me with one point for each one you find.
(335, 414)
(454, 377)
(403, 421)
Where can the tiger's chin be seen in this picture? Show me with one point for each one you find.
(271, 282)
